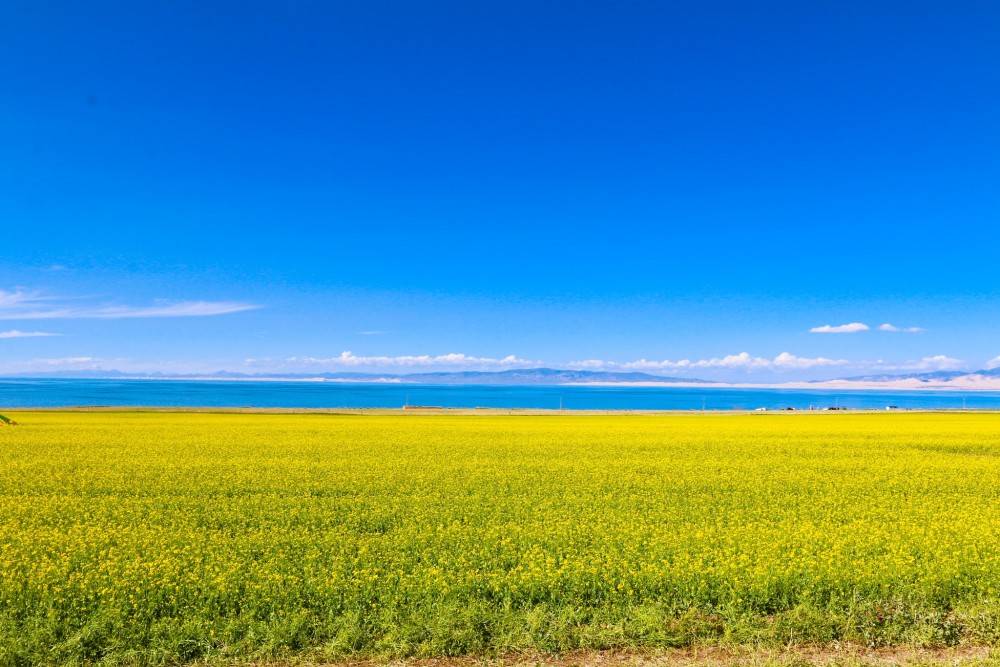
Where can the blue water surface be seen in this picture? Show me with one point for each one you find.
(23, 393)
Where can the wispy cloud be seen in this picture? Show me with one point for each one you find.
(17, 298)
(25, 305)
(88, 363)
(741, 361)
(993, 363)
(853, 327)
(349, 359)
(57, 365)
(14, 333)
(178, 309)
(372, 333)
(889, 327)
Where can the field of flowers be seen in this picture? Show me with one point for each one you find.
(151, 538)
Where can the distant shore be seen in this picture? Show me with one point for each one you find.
(909, 384)
(425, 411)
(970, 383)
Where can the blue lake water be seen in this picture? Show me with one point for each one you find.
(21, 393)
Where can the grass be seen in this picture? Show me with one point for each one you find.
(142, 538)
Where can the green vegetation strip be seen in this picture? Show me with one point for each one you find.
(139, 538)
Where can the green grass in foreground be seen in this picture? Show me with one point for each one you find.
(164, 538)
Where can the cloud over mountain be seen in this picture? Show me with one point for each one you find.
(349, 359)
(741, 361)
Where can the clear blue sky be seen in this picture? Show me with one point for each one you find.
(189, 186)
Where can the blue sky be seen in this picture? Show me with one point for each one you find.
(682, 188)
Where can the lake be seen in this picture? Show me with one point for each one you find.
(37, 393)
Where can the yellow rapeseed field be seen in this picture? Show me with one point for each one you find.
(149, 538)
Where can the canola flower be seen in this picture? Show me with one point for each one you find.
(156, 538)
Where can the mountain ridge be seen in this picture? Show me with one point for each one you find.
(930, 376)
(516, 376)
(507, 377)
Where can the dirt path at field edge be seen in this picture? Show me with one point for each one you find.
(712, 657)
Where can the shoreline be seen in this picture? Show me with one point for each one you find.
(985, 385)
(486, 412)
(966, 384)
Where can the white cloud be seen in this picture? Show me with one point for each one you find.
(14, 333)
(853, 327)
(64, 362)
(454, 359)
(123, 364)
(741, 361)
(993, 363)
(889, 327)
(588, 364)
(786, 360)
(637, 365)
(936, 363)
(647, 365)
(55, 365)
(372, 333)
(23, 305)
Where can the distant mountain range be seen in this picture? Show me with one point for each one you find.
(523, 376)
(538, 376)
(519, 376)
(935, 376)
